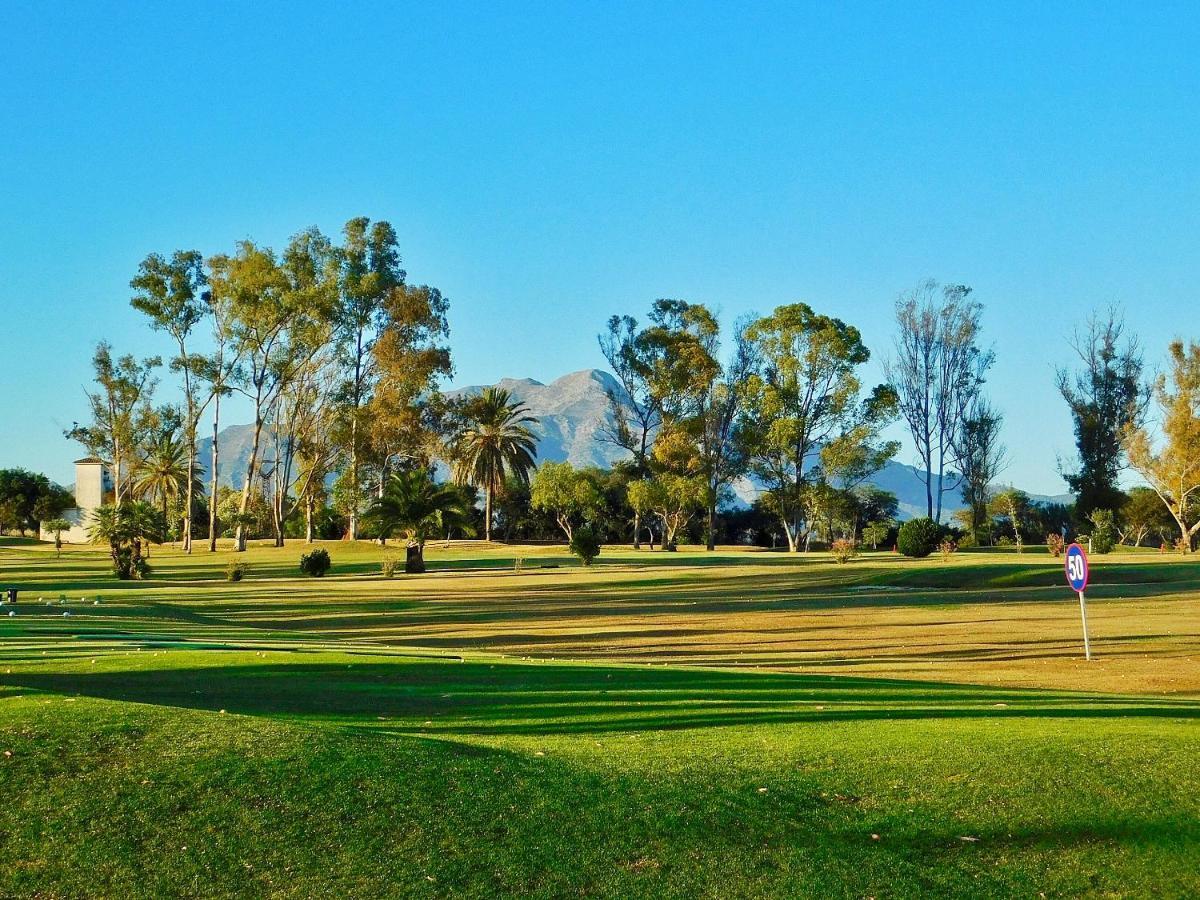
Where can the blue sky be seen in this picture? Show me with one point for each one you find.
(547, 165)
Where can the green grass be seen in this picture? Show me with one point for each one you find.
(355, 736)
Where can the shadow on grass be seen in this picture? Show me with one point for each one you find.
(442, 697)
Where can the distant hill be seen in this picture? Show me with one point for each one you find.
(573, 411)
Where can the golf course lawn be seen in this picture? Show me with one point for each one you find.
(731, 724)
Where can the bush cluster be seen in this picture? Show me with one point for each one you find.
(918, 537)
(235, 570)
(315, 563)
(388, 567)
(1055, 544)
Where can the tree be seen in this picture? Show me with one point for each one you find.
(56, 527)
(281, 309)
(407, 413)
(28, 498)
(673, 498)
(1142, 515)
(369, 271)
(937, 371)
(802, 395)
(1105, 398)
(220, 371)
(981, 457)
(1173, 470)
(636, 408)
(303, 449)
(496, 440)
(700, 399)
(119, 407)
(559, 489)
(171, 294)
(1013, 505)
(415, 505)
(163, 472)
(126, 528)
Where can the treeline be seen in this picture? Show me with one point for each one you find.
(343, 360)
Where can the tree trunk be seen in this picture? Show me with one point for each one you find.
(354, 475)
(414, 559)
(712, 525)
(251, 468)
(637, 531)
(308, 519)
(212, 499)
(187, 502)
(487, 514)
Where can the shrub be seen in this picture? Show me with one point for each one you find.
(1104, 532)
(1055, 544)
(235, 570)
(585, 544)
(844, 550)
(1183, 545)
(519, 564)
(947, 547)
(388, 567)
(1004, 541)
(315, 563)
(918, 537)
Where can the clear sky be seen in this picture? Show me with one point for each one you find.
(547, 165)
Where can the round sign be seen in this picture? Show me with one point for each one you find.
(1077, 568)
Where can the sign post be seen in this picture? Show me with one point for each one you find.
(1077, 578)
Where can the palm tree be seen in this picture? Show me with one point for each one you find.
(125, 528)
(415, 505)
(496, 442)
(162, 474)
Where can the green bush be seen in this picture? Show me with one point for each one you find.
(918, 537)
(585, 544)
(235, 570)
(1104, 531)
(388, 567)
(315, 563)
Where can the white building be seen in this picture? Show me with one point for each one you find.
(93, 487)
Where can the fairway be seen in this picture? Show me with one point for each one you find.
(740, 723)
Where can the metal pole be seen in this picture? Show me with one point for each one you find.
(1087, 647)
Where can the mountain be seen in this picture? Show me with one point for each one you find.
(573, 412)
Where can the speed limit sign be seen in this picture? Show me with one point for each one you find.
(1077, 578)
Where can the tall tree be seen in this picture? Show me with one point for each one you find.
(496, 441)
(1173, 469)
(369, 273)
(565, 492)
(1106, 396)
(171, 294)
(281, 309)
(803, 394)
(120, 406)
(407, 414)
(220, 371)
(980, 457)
(937, 369)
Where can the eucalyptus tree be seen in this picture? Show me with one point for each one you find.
(303, 449)
(368, 272)
(802, 395)
(408, 415)
(281, 308)
(937, 368)
(170, 292)
(220, 371)
(496, 441)
(120, 407)
(1105, 396)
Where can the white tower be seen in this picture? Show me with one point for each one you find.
(93, 488)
